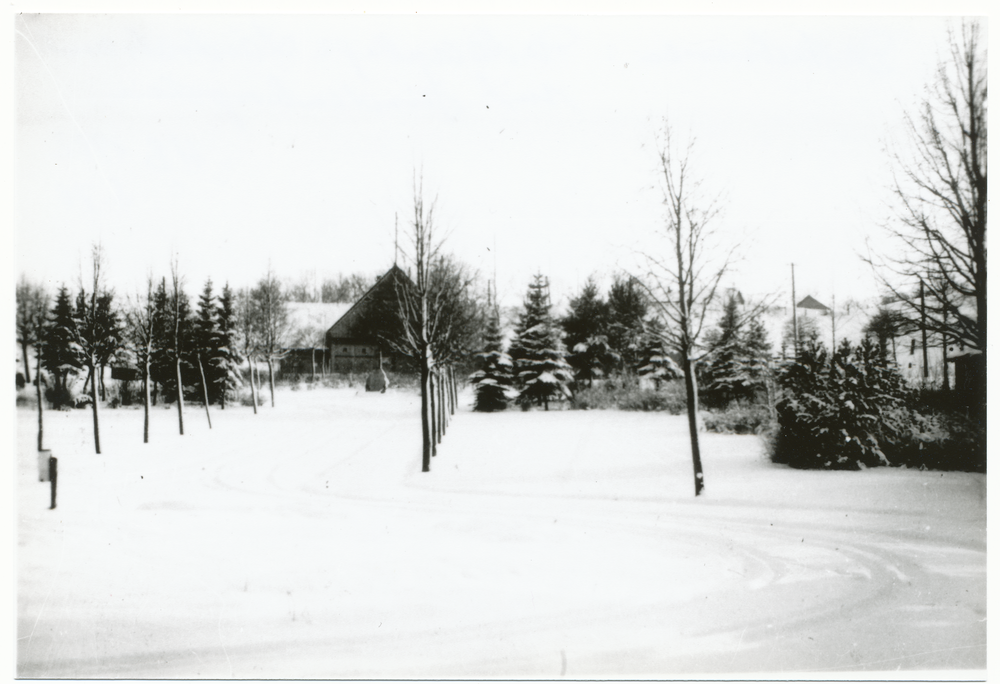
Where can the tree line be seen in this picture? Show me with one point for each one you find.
(177, 351)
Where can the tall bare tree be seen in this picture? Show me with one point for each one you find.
(683, 276)
(432, 316)
(272, 316)
(248, 330)
(140, 321)
(32, 302)
(98, 335)
(32, 312)
(176, 297)
(939, 231)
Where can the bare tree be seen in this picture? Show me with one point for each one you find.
(939, 231)
(683, 277)
(32, 312)
(417, 303)
(176, 297)
(431, 313)
(141, 326)
(98, 334)
(272, 316)
(31, 302)
(248, 330)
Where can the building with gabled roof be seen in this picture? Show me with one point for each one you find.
(353, 340)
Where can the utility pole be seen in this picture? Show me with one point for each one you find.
(833, 322)
(795, 323)
(923, 329)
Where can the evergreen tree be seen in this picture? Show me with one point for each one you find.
(164, 367)
(62, 355)
(539, 364)
(229, 360)
(808, 335)
(110, 334)
(655, 362)
(161, 366)
(493, 382)
(586, 335)
(627, 310)
(207, 343)
(738, 366)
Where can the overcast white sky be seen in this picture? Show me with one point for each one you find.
(239, 141)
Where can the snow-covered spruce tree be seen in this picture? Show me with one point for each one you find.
(493, 382)
(228, 360)
(654, 360)
(207, 343)
(171, 314)
(627, 311)
(738, 365)
(540, 366)
(62, 354)
(586, 336)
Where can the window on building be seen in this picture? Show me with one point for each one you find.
(913, 347)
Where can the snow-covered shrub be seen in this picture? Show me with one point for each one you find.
(944, 440)
(624, 393)
(739, 418)
(845, 412)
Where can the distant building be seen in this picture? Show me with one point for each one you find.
(306, 351)
(354, 342)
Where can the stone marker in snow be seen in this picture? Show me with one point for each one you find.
(377, 381)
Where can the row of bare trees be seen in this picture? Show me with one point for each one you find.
(154, 333)
(439, 320)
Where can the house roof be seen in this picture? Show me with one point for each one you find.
(343, 328)
(309, 321)
(810, 303)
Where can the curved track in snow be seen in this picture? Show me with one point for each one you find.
(305, 542)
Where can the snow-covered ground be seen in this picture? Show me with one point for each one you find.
(304, 542)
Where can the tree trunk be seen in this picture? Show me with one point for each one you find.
(180, 396)
(204, 389)
(145, 399)
(270, 377)
(24, 355)
(253, 385)
(93, 398)
(453, 386)
(944, 361)
(432, 385)
(442, 411)
(691, 389)
(100, 376)
(312, 376)
(38, 391)
(425, 422)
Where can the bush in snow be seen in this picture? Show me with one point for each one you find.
(739, 418)
(626, 395)
(845, 412)
(540, 367)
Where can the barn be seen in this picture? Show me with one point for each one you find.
(354, 341)
(306, 352)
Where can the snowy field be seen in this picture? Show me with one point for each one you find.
(304, 542)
